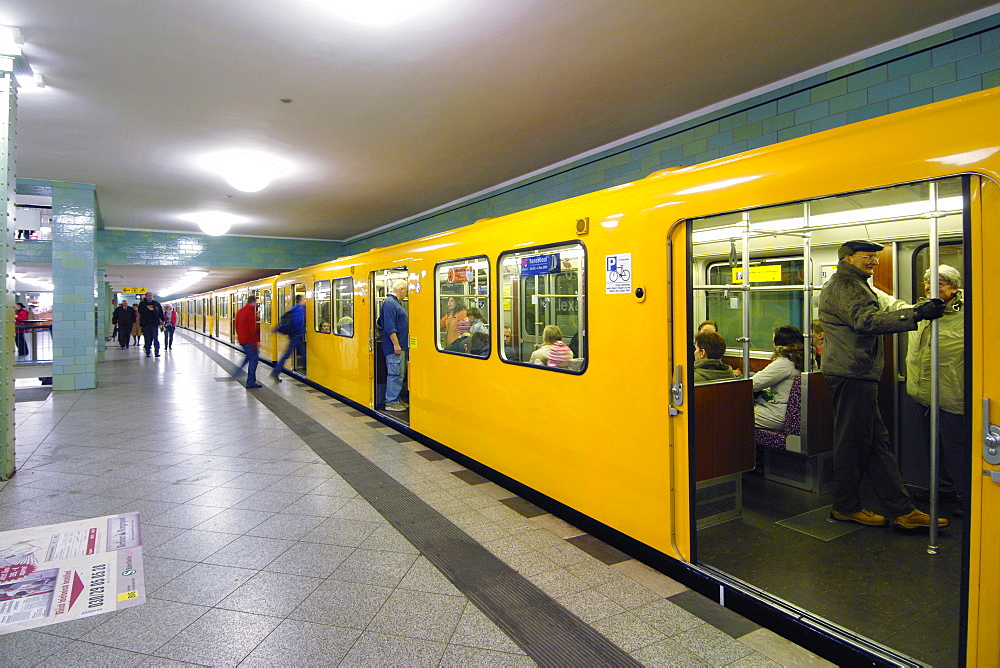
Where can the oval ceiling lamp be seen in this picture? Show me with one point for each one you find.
(247, 171)
(379, 12)
(213, 223)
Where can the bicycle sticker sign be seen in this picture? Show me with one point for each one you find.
(618, 274)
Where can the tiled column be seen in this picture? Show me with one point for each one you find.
(8, 93)
(103, 314)
(74, 339)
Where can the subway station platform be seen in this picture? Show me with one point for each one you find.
(283, 527)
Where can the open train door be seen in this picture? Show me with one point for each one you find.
(984, 552)
(381, 282)
(681, 390)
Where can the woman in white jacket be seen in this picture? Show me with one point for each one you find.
(773, 383)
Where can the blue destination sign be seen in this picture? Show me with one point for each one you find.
(538, 265)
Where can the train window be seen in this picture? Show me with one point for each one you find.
(462, 299)
(323, 307)
(343, 306)
(543, 307)
(265, 306)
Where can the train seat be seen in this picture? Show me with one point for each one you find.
(789, 437)
(801, 454)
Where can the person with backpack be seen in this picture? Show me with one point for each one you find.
(293, 325)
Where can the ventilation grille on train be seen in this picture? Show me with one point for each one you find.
(718, 500)
(813, 474)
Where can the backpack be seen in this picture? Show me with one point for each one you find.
(285, 324)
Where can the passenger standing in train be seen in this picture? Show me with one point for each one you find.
(709, 348)
(20, 317)
(169, 324)
(150, 319)
(449, 323)
(395, 342)
(124, 319)
(953, 473)
(772, 385)
(295, 321)
(248, 335)
(854, 320)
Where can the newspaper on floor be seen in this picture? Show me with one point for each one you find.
(61, 572)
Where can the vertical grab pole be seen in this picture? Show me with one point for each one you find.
(935, 261)
(746, 295)
(807, 291)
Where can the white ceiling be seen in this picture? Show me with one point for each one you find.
(386, 123)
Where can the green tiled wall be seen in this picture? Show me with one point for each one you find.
(160, 248)
(955, 62)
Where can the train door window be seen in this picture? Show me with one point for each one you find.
(343, 306)
(543, 302)
(462, 300)
(763, 486)
(322, 307)
(265, 306)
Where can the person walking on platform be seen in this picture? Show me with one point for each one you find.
(395, 342)
(248, 334)
(136, 330)
(123, 318)
(854, 320)
(169, 324)
(150, 319)
(292, 325)
(21, 316)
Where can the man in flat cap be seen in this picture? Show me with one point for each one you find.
(854, 320)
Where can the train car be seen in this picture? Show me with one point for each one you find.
(615, 435)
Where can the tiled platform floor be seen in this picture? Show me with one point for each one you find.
(259, 553)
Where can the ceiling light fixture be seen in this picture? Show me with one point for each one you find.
(380, 12)
(11, 41)
(248, 171)
(184, 282)
(213, 223)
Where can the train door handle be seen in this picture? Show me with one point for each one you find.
(677, 391)
(991, 436)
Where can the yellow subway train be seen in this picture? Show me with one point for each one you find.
(616, 437)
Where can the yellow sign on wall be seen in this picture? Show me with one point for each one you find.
(762, 273)
(134, 291)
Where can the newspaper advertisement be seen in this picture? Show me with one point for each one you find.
(60, 572)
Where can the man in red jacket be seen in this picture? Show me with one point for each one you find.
(248, 334)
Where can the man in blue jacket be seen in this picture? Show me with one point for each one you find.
(295, 320)
(150, 319)
(395, 342)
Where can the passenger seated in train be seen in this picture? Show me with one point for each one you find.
(550, 335)
(773, 383)
(477, 344)
(709, 347)
(458, 345)
(709, 326)
(476, 323)
(559, 356)
(508, 345)
(817, 341)
(345, 326)
(325, 328)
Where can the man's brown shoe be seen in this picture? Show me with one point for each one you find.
(863, 516)
(917, 519)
